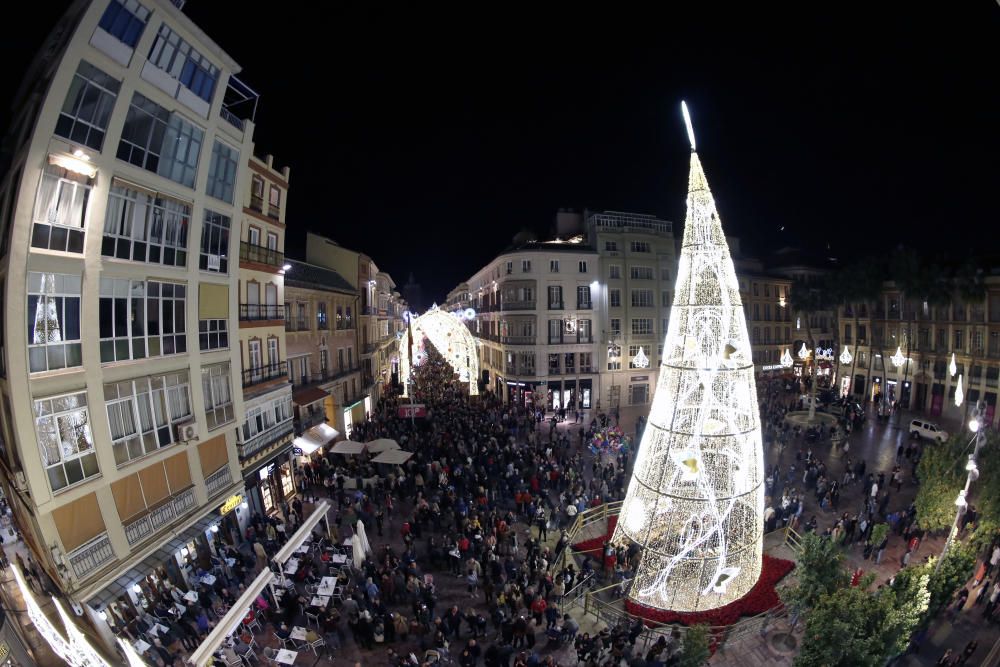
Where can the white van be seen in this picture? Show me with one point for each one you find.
(922, 429)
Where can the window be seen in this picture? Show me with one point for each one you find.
(641, 272)
(257, 194)
(555, 297)
(273, 356)
(756, 335)
(583, 267)
(611, 246)
(586, 361)
(614, 357)
(666, 299)
(664, 273)
(145, 227)
(642, 298)
(321, 320)
(756, 311)
(141, 318)
(214, 243)
(65, 440)
(554, 266)
(53, 321)
(638, 394)
(262, 418)
(213, 334)
(218, 395)
(555, 331)
(125, 19)
(274, 199)
(85, 113)
(756, 289)
(614, 272)
(142, 413)
(583, 329)
(60, 214)
(767, 311)
(615, 329)
(633, 351)
(640, 246)
(615, 298)
(510, 268)
(583, 297)
(642, 326)
(222, 172)
(159, 141)
(178, 59)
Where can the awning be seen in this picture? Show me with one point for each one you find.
(229, 622)
(309, 395)
(381, 445)
(348, 447)
(315, 438)
(163, 553)
(393, 457)
(303, 533)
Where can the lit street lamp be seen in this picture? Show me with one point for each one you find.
(972, 473)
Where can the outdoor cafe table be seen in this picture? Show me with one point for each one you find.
(191, 596)
(292, 566)
(349, 541)
(298, 634)
(141, 646)
(302, 549)
(338, 559)
(208, 579)
(320, 601)
(286, 657)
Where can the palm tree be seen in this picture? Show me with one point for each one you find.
(806, 299)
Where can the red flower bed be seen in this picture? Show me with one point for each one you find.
(594, 547)
(759, 599)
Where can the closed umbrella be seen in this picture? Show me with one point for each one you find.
(362, 537)
(359, 553)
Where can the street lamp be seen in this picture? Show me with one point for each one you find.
(972, 474)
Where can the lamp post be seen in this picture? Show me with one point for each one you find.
(898, 360)
(978, 427)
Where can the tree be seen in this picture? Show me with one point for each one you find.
(695, 649)
(819, 571)
(853, 627)
(941, 472)
(951, 575)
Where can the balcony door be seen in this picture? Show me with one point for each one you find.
(272, 352)
(256, 360)
(271, 299)
(253, 300)
(253, 236)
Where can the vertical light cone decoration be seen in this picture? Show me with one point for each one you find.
(695, 503)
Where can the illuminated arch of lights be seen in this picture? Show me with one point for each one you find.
(448, 333)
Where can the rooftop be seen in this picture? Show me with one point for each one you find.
(310, 276)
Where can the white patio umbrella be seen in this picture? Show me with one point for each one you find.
(359, 553)
(361, 536)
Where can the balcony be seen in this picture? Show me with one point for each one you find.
(259, 312)
(584, 305)
(322, 323)
(273, 211)
(518, 305)
(257, 203)
(587, 369)
(239, 102)
(90, 556)
(146, 525)
(258, 254)
(255, 376)
(309, 418)
(263, 439)
(519, 340)
(219, 480)
(584, 339)
(555, 305)
(231, 118)
(296, 325)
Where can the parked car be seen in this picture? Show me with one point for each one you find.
(924, 429)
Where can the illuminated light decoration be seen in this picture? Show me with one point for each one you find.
(952, 367)
(898, 359)
(846, 358)
(695, 502)
(470, 313)
(640, 360)
(786, 359)
(959, 393)
(134, 660)
(75, 650)
(824, 355)
(452, 339)
(78, 164)
(804, 352)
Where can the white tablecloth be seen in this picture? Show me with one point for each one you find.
(298, 634)
(320, 601)
(286, 657)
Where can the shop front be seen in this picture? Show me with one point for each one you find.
(356, 413)
(574, 394)
(271, 483)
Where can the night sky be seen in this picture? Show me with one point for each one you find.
(427, 139)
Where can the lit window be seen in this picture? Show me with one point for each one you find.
(222, 172)
(143, 413)
(65, 440)
(218, 395)
(141, 318)
(60, 215)
(85, 113)
(214, 243)
(53, 321)
(125, 19)
(145, 227)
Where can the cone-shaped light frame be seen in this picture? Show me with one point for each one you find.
(695, 503)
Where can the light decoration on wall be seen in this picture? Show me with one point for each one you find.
(640, 360)
(952, 367)
(898, 359)
(804, 352)
(959, 393)
(452, 339)
(695, 502)
(75, 650)
(786, 359)
(846, 358)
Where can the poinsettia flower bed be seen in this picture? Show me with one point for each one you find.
(595, 547)
(762, 597)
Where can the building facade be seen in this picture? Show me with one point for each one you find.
(118, 417)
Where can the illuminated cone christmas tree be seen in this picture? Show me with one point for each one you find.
(695, 502)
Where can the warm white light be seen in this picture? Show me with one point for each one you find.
(640, 360)
(184, 552)
(898, 359)
(970, 465)
(80, 155)
(695, 501)
(804, 352)
(286, 267)
(952, 367)
(451, 338)
(75, 164)
(786, 359)
(960, 501)
(959, 394)
(215, 528)
(974, 425)
(104, 615)
(845, 357)
(136, 588)
(687, 123)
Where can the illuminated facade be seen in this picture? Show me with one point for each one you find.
(695, 501)
(447, 332)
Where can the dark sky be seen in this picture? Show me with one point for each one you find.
(428, 138)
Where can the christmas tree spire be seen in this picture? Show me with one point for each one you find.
(695, 502)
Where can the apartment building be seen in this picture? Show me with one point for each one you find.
(118, 417)
(264, 439)
(926, 336)
(323, 355)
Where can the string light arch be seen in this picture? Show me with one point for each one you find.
(450, 336)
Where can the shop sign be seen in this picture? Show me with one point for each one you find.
(297, 451)
(232, 502)
(4, 651)
(639, 378)
(410, 410)
(772, 367)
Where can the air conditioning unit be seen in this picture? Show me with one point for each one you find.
(187, 431)
(214, 262)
